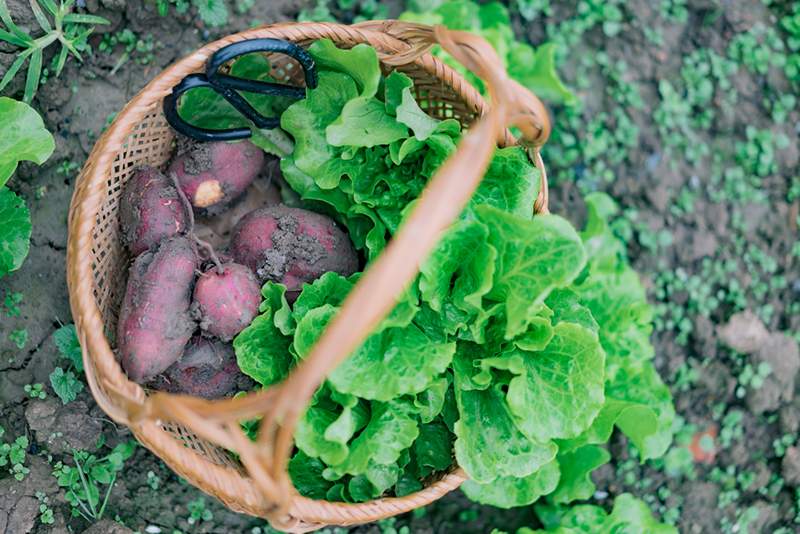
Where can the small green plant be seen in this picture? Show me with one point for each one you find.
(67, 28)
(153, 481)
(12, 302)
(45, 512)
(64, 380)
(12, 455)
(90, 478)
(35, 391)
(19, 337)
(213, 13)
(198, 511)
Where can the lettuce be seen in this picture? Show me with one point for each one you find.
(518, 349)
(24, 139)
(533, 68)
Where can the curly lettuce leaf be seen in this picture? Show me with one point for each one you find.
(460, 269)
(533, 68)
(489, 444)
(560, 389)
(15, 231)
(533, 258)
(307, 121)
(576, 473)
(394, 362)
(392, 429)
(509, 491)
(511, 183)
(24, 138)
(360, 63)
(629, 514)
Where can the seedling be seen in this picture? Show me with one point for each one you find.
(67, 28)
(85, 480)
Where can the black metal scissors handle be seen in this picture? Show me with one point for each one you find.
(228, 87)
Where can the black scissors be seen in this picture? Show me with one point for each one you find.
(229, 86)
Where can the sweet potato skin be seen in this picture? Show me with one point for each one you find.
(150, 210)
(155, 322)
(213, 174)
(292, 246)
(225, 303)
(206, 369)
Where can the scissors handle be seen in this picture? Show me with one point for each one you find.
(228, 87)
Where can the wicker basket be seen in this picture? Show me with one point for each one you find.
(194, 436)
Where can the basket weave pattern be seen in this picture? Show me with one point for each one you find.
(194, 436)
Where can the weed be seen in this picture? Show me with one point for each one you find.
(198, 511)
(533, 9)
(674, 10)
(13, 455)
(64, 380)
(153, 481)
(756, 155)
(19, 337)
(35, 391)
(84, 481)
(66, 28)
(45, 512)
(11, 303)
(758, 48)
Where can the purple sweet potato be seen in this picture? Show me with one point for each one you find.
(292, 246)
(206, 369)
(225, 303)
(150, 210)
(213, 174)
(155, 321)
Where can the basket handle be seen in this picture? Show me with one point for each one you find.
(376, 293)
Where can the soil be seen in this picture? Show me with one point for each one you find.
(703, 350)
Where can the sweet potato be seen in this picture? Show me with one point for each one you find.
(225, 303)
(150, 210)
(213, 174)
(206, 369)
(291, 246)
(154, 322)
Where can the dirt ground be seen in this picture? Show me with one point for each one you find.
(705, 185)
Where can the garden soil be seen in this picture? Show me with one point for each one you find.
(647, 182)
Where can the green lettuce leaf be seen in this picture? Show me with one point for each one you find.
(262, 351)
(628, 515)
(489, 444)
(533, 258)
(15, 231)
(560, 390)
(394, 362)
(24, 138)
(576, 473)
(507, 492)
(391, 429)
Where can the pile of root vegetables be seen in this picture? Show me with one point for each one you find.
(206, 234)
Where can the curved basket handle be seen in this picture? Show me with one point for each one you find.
(376, 293)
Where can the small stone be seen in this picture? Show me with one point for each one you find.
(789, 417)
(790, 466)
(744, 332)
(63, 427)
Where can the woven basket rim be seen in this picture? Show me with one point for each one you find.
(119, 396)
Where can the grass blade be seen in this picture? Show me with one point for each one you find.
(62, 60)
(40, 17)
(34, 75)
(13, 39)
(12, 71)
(77, 18)
(50, 6)
(5, 16)
(105, 501)
(66, 7)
